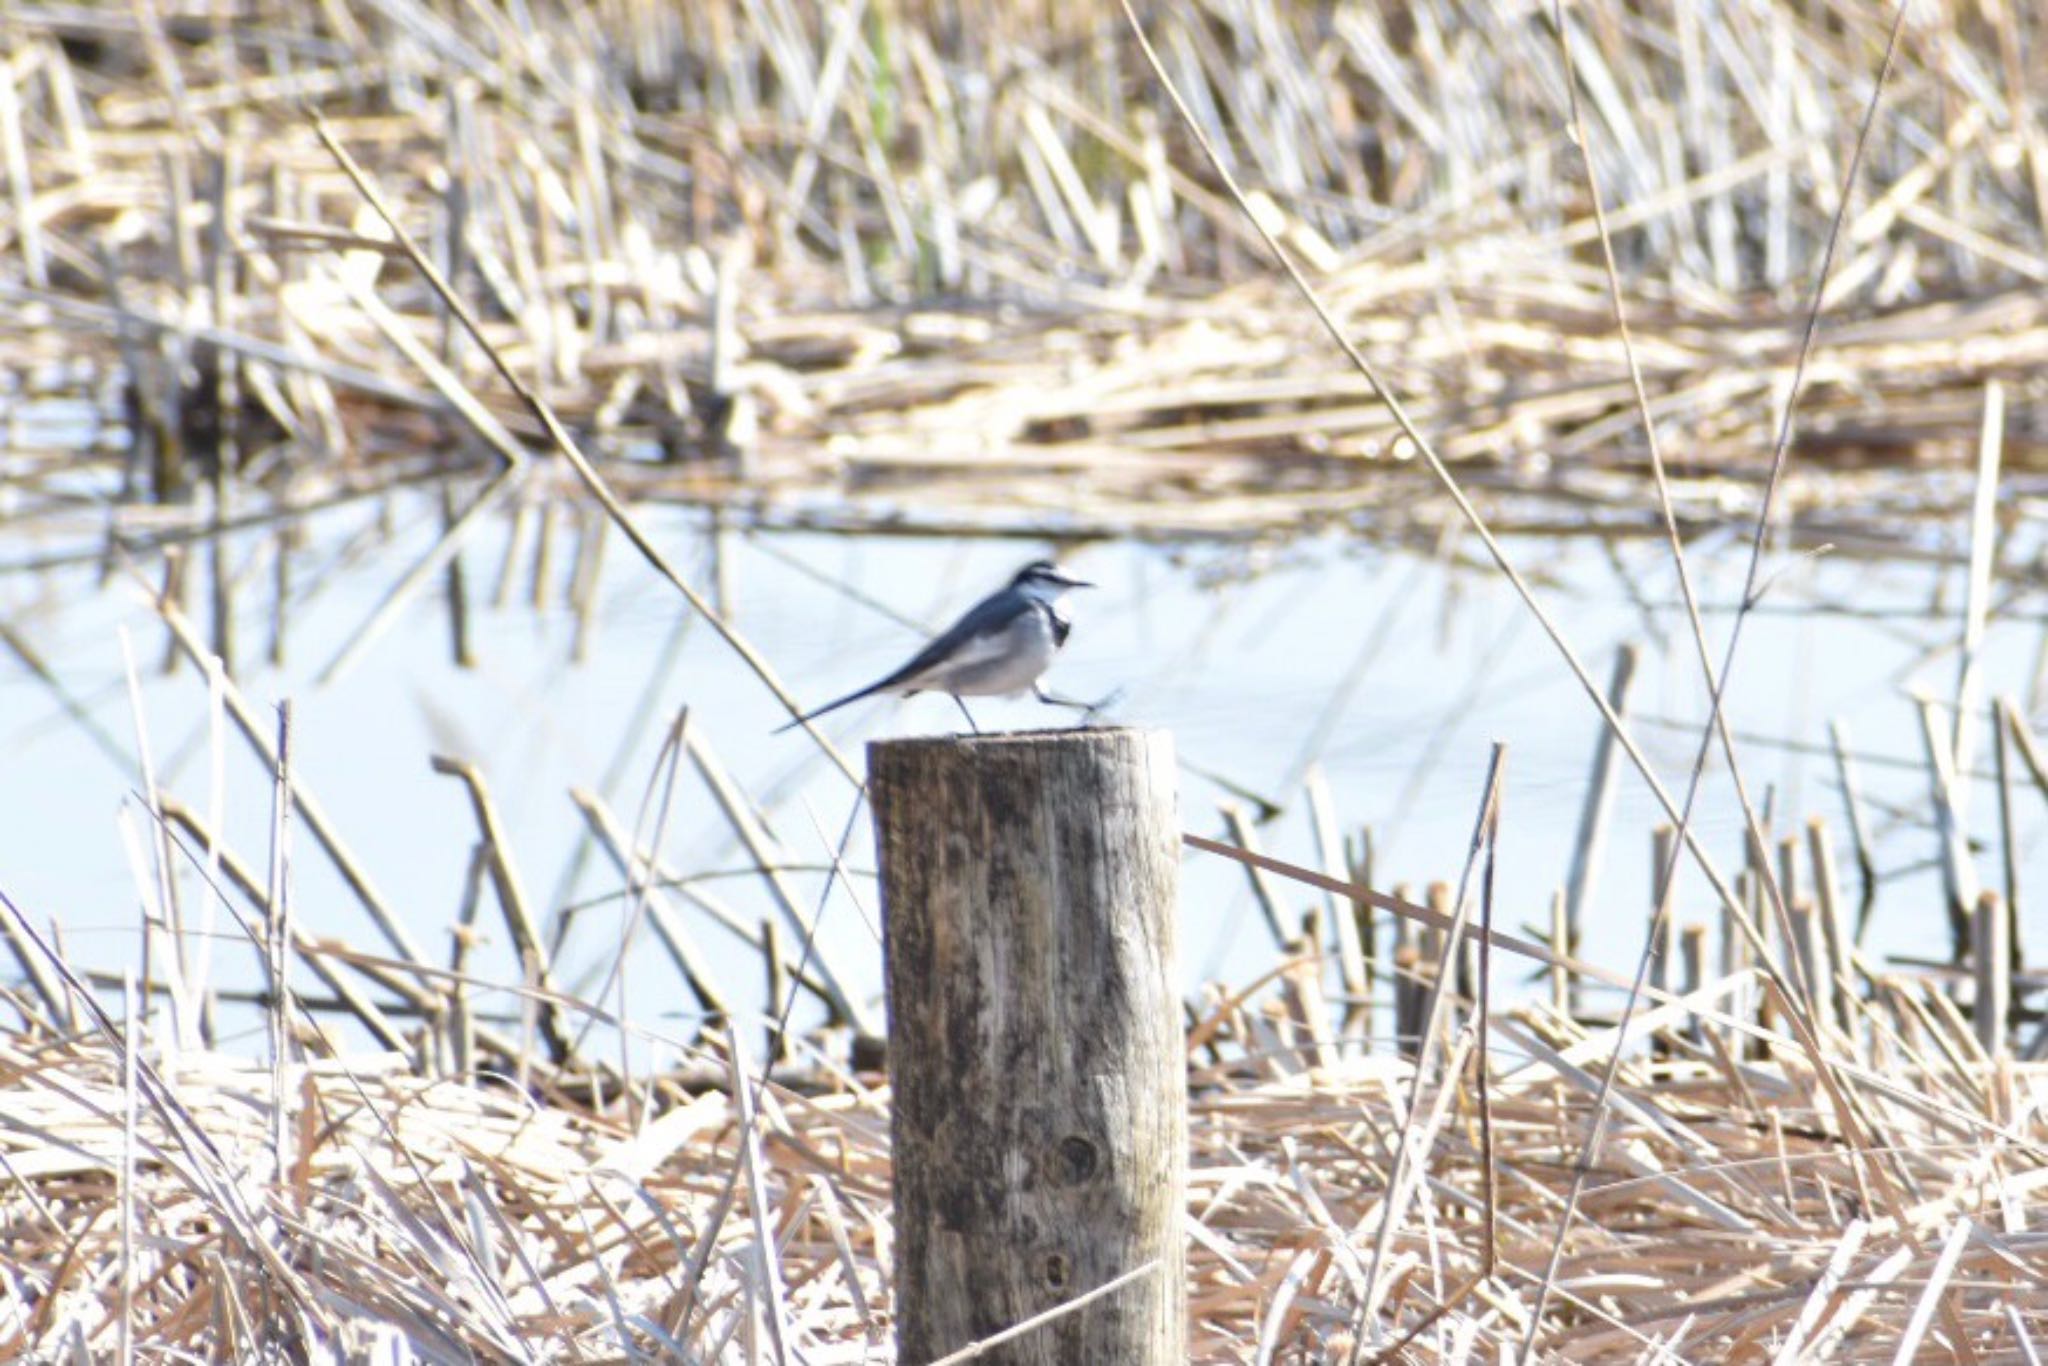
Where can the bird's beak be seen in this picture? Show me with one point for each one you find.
(1077, 583)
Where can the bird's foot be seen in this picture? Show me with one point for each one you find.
(1089, 710)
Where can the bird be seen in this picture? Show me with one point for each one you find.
(1001, 646)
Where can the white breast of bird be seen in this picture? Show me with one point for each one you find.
(999, 662)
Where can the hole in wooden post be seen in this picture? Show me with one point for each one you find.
(1077, 1161)
(1057, 1270)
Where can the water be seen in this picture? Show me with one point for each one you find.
(1389, 669)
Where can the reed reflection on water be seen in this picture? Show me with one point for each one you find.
(1381, 671)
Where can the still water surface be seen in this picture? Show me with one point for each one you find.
(1390, 669)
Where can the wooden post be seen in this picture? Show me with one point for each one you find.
(1036, 1058)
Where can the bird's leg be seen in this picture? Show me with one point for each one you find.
(964, 712)
(1088, 710)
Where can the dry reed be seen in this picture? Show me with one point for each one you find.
(853, 269)
(1728, 1219)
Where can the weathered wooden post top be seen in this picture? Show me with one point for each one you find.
(1035, 1045)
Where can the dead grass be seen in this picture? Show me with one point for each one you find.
(1727, 1220)
(867, 267)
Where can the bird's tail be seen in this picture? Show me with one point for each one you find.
(833, 705)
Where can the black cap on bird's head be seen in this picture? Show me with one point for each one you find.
(1045, 574)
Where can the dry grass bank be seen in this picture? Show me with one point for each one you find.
(1728, 1216)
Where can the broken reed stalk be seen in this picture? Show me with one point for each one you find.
(1981, 580)
(1358, 864)
(276, 941)
(1958, 869)
(1245, 835)
(463, 938)
(1343, 913)
(1859, 830)
(1439, 965)
(545, 996)
(1837, 981)
(1593, 817)
(1991, 955)
(1560, 940)
(1692, 951)
(1663, 922)
(1435, 1025)
(568, 448)
(2008, 836)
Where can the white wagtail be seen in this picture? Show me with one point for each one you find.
(1000, 647)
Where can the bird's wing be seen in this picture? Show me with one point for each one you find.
(979, 636)
(974, 639)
